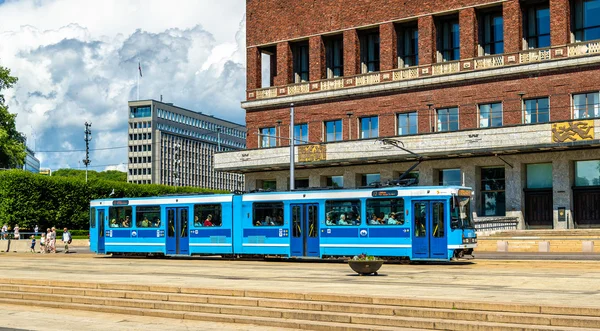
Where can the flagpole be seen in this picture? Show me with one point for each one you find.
(138, 86)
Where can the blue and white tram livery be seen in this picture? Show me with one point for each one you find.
(416, 223)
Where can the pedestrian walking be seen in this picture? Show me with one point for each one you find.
(4, 231)
(17, 236)
(36, 229)
(32, 243)
(66, 237)
(43, 243)
(48, 240)
(53, 240)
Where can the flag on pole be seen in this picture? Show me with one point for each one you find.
(140, 68)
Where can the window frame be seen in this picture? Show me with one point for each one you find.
(448, 49)
(440, 123)
(268, 136)
(370, 119)
(537, 110)
(301, 62)
(353, 204)
(595, 105)
(127, 212)
(531, 13)
(400, 221)
(370, 51)
(578, 17)
(273, 203)
(302, 140)
(483, 191)
(488, 41)
(216, 211)
(334, 45)
(491, 116)
(409, 126)
(408, 45)
(140, 210)
(441, 176)
(335, 132)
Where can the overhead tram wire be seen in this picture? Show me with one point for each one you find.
(476, 112)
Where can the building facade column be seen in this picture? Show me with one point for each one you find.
(349, 179)
(253, 70)
(560, 22)
(563, 174)
(514, 180)
(513, 26)
(468, 33)
(468, 173)
(351, 53)
(388, 44)
(427, 37)
(284, 64)
(426, 174)
(316, 53)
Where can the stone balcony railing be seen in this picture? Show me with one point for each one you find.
(436, 69)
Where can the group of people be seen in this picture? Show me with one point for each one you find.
(270, 221)
(349, 218)
(146, 223)
(352, 218)
(387, 219)
(6, 229)
(48, 241)
(208, 221)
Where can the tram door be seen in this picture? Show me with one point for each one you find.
(101, 222)
(178, 241)
(429, 239)
(305, 230)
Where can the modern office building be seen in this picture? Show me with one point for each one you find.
(501, 96)
(31, 164)
(174, 146)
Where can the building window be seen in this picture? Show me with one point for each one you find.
(369, 51)
(537, 110)
(334, 52)
(491, 39)
(587, 173)
(333, 130)
(335, 181)
(138, 112)
(407, 123)
(369, 127)
(449, 177)
(448, 39)
(267, 137)
(586, 20)
(447, 119)
(539, 175)
(408, 45)
(536, 25)
(585, 105)
(369, 179)
(493, 187)
(266, 184)
(490, 115)
(300, 183)
(301, 134)
(300, 55)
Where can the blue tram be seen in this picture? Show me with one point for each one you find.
(416, 223)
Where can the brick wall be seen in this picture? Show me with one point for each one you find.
(558, 86)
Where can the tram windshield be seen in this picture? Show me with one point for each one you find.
(461, 214)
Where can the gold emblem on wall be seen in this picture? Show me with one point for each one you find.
(573, 131)
(312, 153)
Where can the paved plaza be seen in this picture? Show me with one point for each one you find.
(565, 283)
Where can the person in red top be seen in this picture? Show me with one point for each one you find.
(208, 221)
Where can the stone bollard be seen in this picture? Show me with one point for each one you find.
(544, 247)
(588, 246)
(502, 246)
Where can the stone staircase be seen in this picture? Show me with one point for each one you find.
(307, 311)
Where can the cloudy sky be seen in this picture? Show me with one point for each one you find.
(77, 61)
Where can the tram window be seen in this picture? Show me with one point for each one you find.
(207, 215)
(296, 219)
(385, 211)
(120, 217)
(92, 218)
(461, 214)
(344, 212)
(420, 214)
(268, 214)
(171, 223)
(438, 220)
(147, 217)
(313, 221)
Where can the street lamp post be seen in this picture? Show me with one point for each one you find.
(292, 155)
(87, 138)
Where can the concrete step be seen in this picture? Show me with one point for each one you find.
(589, 233)
(483, 318)
(264, 321)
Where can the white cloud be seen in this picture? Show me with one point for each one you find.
(77, 61)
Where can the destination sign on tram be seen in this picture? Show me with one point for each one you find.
(388, 193)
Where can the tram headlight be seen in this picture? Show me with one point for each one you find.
(465, 240)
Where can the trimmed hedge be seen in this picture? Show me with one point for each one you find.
(28, 199)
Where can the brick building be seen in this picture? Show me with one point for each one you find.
(502, 96)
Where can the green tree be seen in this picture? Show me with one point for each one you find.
(111, 175)
(12, 142)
